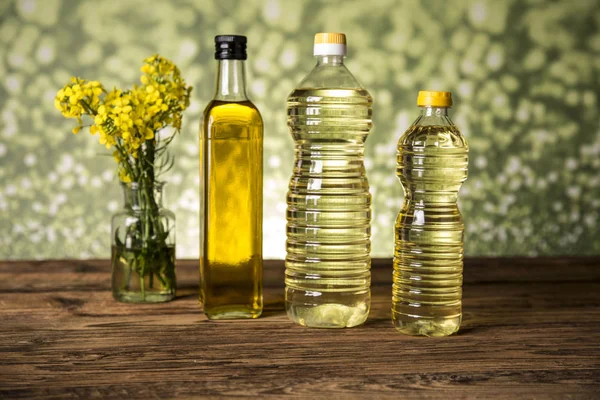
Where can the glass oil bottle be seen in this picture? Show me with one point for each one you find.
(231, 162)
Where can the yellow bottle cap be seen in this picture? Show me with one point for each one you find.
(329, 37)
(429, 98)
(330, 44)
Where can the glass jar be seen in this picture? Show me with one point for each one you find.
(143, 246)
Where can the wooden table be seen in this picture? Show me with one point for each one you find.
(531, 329)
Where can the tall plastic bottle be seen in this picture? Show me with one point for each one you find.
(428, 257)
(329, 205)
(231, 162)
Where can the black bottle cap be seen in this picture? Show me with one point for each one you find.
(230, 47)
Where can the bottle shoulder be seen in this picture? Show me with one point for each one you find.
(241, 109)
(231, 119)
(433, 136)
(331, 77)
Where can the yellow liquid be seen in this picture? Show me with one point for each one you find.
(231, 146)
(428, 257)
(328, 260)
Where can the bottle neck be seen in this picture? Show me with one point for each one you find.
(231, 81)
(434, 116)
(330, 60)
(434, 111)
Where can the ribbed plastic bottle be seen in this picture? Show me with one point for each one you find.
(428, 257)
(329, 205)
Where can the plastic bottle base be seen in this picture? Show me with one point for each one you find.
(328, 315)
(232, 312)
(424, 326)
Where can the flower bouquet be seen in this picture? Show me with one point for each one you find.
(130, 121)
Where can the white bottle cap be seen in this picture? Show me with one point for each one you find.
(330, 44)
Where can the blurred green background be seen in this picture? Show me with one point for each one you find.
(525, 76)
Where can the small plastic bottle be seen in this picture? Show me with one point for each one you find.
(428, 257)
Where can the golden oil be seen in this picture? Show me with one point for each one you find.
(231, 211)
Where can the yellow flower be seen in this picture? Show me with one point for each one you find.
(123, 176)
(78, 97)
(127, 119)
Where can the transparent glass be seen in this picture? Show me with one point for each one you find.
(328, 259)
(231, 162)
(428, 257)
(143, 247)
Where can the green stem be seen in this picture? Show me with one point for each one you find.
(142, 274)
(151, 218)
(127, 277)
(154, 258)
(87, 108)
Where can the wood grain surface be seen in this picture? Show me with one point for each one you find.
(531, 329)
